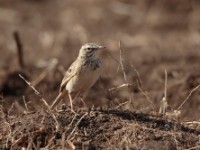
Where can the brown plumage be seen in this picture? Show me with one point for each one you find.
(81, 75)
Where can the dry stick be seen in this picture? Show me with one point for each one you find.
(76, 125)
(193, 122)
(164, 104)
(176, 141)
(63, 135)
(10, 132)
(17, 141)
(30, 145)
(140, 80)
(147, 97)
(165, 91)
(121, 104)
(71, 121)
(19, 49)
(25, 104)
(71, 144)
(49, 142)
(119, 87)
(193, 148)
(18, 106)
(31, 140)
(193, 90)
(122, 67)
(63, 141)
(121, 61)
(118, 63)
(113, 57)
(43, 100)
(145, 108)
(12, 106)
(145, 94)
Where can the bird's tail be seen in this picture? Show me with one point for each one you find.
(58, 99)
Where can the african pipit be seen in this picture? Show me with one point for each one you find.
(81, 75)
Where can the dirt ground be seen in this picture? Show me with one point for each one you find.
(156, 37)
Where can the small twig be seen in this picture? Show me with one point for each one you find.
(147, 97)
(165, 91)
(143, 109)
(71, 144)
(50, 141)
(164, 103)
(29, 84)
(63, 135)
(176, 141)
(193, 90)
(140, 80)
(71, 121)
(144, 93)
(9, 134)
(121, 59)
(193, 148)
(43, 100)
(121, 104)
(25, 104)
(63, 141)
(30, 145)
(76, 125)
(31, 140)
(193, 122)
(121, 62)
(12, 106)
(163, 106)
(18, 106)
(113, 57)
(19, 49)
(118, 63)
(16, 142)
(119, 87)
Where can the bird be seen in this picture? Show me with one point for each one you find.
(81, 75)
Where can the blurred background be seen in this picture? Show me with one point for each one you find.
(155, 36)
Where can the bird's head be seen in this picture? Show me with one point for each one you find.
(90, 50)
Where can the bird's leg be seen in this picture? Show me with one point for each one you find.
(83, 101)
(71, 104)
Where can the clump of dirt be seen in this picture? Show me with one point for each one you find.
(95, 129)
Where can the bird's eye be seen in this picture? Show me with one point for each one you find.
(90, 49)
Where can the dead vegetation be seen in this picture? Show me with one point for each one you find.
(148, 94)
(96, 129)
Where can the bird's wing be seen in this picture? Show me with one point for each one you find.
(69, 74)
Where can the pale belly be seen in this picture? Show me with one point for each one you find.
(82, 82)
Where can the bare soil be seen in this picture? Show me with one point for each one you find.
(155, 36)
(96, 129)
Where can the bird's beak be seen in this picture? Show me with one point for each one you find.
(102, 47)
